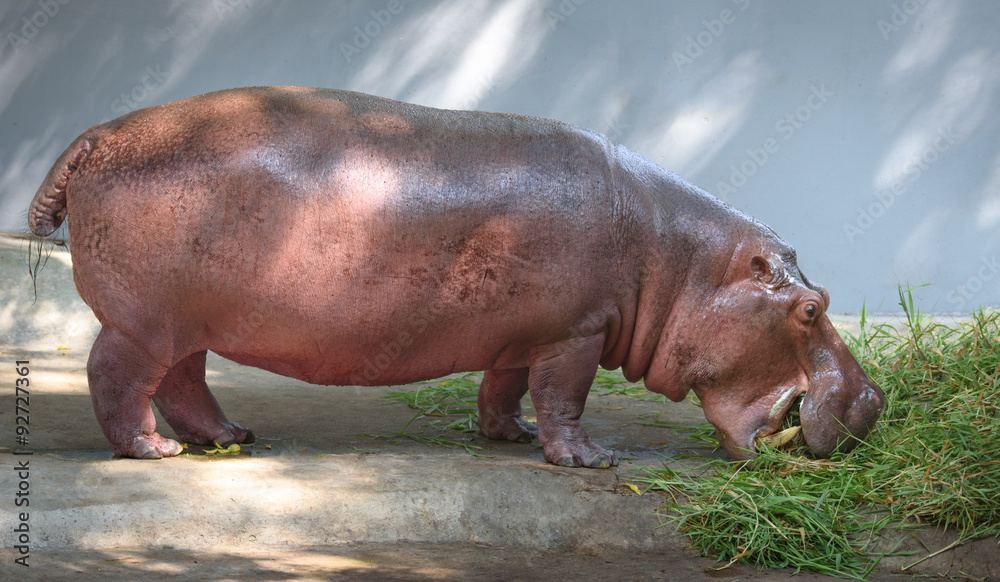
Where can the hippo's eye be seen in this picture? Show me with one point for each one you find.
(810, 311)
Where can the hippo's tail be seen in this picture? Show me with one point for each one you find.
(48, 209)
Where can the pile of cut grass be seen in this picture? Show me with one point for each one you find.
(933, 458)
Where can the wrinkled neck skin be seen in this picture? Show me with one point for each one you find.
(724, 310)
(689, 242)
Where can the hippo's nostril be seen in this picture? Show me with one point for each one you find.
(878, 397)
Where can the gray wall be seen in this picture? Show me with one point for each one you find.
(865, 132)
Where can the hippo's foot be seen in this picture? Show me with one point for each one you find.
(190, 409)
(122, 378)
(225, 434)
(579, 454)
(151, 446)
(560, 379)
(508, 428)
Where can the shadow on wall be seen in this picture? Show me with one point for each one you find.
(864, 136)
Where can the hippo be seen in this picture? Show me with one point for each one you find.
(346, 239)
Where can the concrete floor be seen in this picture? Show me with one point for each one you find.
(314, 498)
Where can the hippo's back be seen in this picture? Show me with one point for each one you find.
(277, 225)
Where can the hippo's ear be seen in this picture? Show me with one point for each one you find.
(766, 271)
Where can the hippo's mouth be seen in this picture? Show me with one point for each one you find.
(784, 425)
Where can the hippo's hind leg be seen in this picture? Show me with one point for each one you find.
(560, 379)
(190, 409)
(500, 406)
(123, 378)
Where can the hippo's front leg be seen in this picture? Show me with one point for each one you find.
(560, 378)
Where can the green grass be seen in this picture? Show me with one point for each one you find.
(452, 397)
(933, 458)
(453, 401)
(613, 382)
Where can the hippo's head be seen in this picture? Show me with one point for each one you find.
(756, 342)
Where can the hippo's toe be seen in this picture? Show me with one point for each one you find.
(509, 428)
(585, 454)
(233, 433)
(151, 446)
(603, 461)
(226, 433)
(567, 461)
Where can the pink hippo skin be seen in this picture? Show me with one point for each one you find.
(345, 239)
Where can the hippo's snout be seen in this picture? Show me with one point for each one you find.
(838, 417)
(841, 404)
